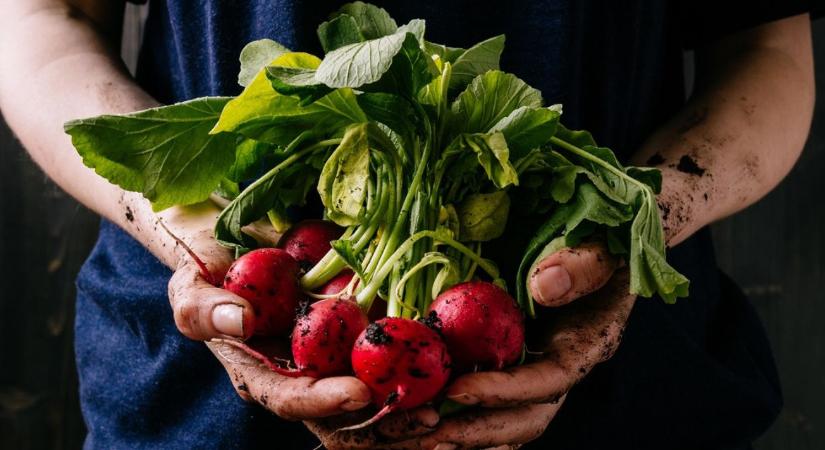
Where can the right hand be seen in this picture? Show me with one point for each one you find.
(203, 312)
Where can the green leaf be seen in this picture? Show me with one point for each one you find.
(373, 22)
(444, 53)
(344, 178)
(483, 217)
(392, 110)
(491, 153)
(358, 64)
(650, 176)
(563, 182)
(649, 271)
(297, 81)
(165, 153)
(476, 61)
(527, 128)
(284, 185)
(250, 157)
(338, 32)
(263, 114)
(490, 98)
(255, 56)
(579, 138)
(367, 62)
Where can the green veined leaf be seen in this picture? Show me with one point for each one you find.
(363, 63)
(373, 22)
(165, 153)
(255, 56)
(250, 158)
(476, 61)
(527, 128)
(490, 98)
(338, 32)
(491, 153)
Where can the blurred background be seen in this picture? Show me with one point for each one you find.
(775, 251)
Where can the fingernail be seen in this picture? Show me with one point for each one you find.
(464, 399)
(353, 405)
(228, 319)
(444, 446)
(550, 283)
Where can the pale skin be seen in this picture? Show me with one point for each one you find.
(745, 127)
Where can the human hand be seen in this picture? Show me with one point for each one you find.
(204, 312)
(514, 406)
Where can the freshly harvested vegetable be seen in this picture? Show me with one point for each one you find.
(418, 153)
(337, 284)
(403, 362)
(268, 279)
(481, 324)
(309, 240)
(324, 336)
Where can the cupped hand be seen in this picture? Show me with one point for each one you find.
(514, 406)
(204, 312)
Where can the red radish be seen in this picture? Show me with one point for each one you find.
(308, 241)
(337, 284)
(403, 362)
(323, 337)
(481, 324)
(268, 279)
(322, 340)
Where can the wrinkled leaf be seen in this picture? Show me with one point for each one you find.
(490, 98)
(344, 178)
(165, 153)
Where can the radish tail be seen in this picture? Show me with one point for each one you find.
(205, 273)
(260, 357)
(378, 416)
(389, 406)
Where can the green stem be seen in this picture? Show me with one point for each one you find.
(374, 284)
(596, 160)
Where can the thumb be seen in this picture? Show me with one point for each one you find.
(203, 311)
(571, 273)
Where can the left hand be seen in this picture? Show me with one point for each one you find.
(517, 404)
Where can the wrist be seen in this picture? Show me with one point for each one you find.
(193, 225)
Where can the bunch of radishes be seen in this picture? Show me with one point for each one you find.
(405, 362)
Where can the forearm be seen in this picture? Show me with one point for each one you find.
(742, 131)
(57, 66)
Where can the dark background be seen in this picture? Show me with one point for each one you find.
(775, 250)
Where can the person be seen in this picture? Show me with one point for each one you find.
(697, 374)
